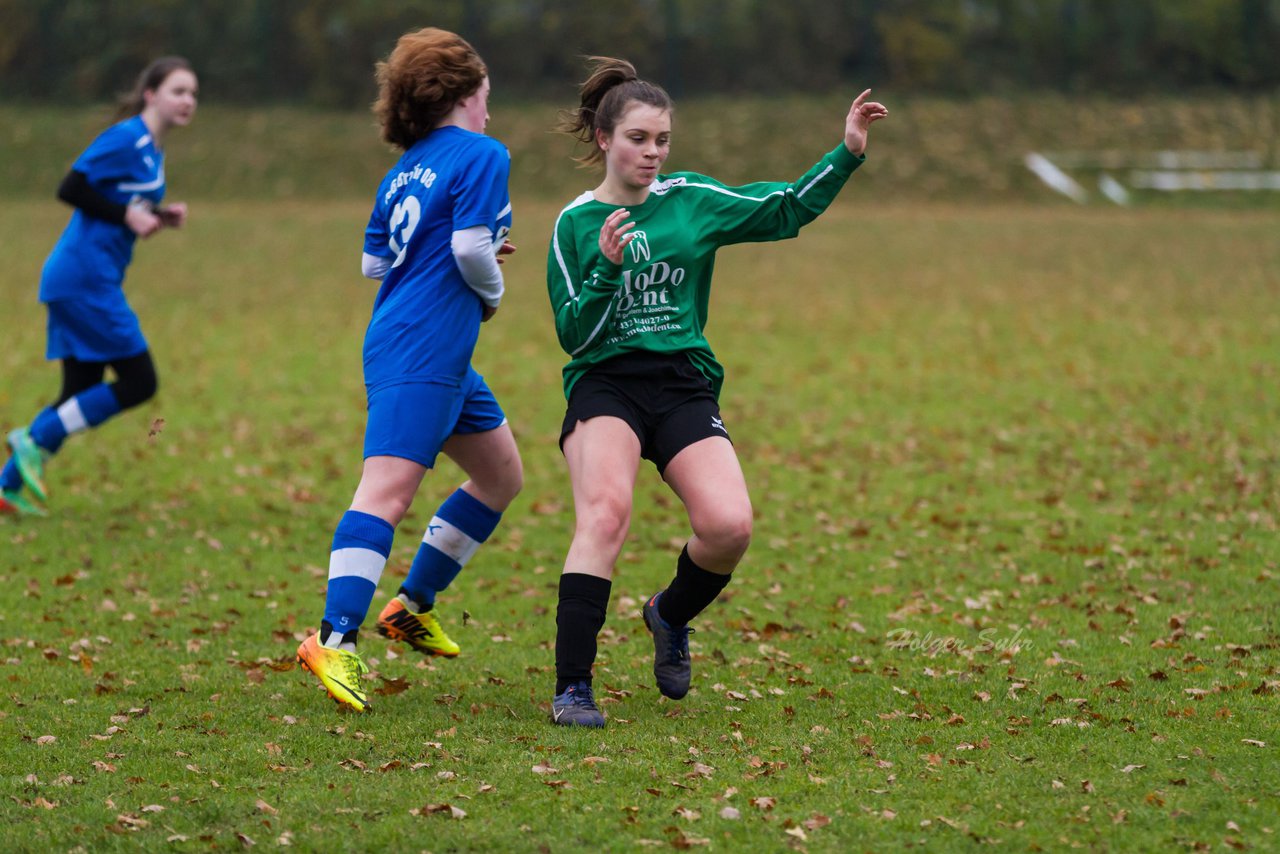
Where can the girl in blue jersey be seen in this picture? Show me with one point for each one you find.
(116, 187)
(439, 224)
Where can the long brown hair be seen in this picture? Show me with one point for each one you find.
(152, 77)
(427, 74)
(603, 98)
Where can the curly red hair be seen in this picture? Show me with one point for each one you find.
(426, 75)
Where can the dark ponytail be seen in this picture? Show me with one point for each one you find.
(603, 98)
(151, 78)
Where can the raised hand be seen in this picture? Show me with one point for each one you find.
(613, 235)
(861, 115)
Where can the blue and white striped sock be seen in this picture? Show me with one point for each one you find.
(461, 524)
(10, 477)
(87, 409)
(360, 548)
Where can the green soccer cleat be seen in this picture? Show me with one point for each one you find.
(338, 671)
(29, 459)
(420, 631)
(13, 502)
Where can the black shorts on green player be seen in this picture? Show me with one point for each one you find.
(664, 399)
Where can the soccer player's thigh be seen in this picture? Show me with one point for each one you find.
(707, 477)
(484, 447)
(603, 455)
(492, 463)
(406, 426)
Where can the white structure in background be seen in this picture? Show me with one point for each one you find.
(1165, 171)
(1113, 190)
(1056, 179)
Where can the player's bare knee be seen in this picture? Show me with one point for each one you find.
(513, 481)
(606, 520)
(728, 535)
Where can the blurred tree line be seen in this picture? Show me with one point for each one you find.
(322, 51)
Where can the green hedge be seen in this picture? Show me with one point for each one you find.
(928, 149)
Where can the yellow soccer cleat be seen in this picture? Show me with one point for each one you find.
(338, 671)
(420, 631)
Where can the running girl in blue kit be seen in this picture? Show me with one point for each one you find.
(439, 224)
(116, 187)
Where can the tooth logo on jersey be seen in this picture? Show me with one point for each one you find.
(639, 246)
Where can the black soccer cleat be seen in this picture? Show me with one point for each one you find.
(576, 707)
(671, 668)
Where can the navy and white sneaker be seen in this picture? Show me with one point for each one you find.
(671, 669)
(576, 707)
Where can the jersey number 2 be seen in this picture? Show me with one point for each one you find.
(404, 220)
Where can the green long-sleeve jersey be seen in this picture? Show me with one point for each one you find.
(656, 300)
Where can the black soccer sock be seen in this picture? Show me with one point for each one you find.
(692, 590)
(584, 601)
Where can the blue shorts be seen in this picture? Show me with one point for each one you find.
(102, 328)
(413, 420)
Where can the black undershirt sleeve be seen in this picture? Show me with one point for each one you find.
(76, 191)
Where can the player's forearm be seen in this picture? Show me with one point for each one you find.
(581, 320)
(76, 191)
(474, 255)
(374, 266)
(818, 188)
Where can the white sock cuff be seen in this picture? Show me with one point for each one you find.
(358, 563)
(451, 540)
(72, 417)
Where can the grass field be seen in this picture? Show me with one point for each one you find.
(1014, 577)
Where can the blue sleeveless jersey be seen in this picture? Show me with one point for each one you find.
(426, 319)
(89, 260)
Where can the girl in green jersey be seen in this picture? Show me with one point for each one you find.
(629, 277)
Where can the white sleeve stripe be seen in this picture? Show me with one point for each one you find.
(555, 240)
(357, 563)
(142, 188)
(564, 269)
(728, 192)
(815, 180)
(555, 245)
(594, 332)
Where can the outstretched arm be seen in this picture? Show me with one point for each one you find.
(777, 210)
